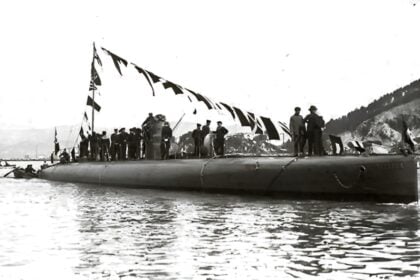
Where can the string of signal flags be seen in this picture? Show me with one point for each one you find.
(257, 124)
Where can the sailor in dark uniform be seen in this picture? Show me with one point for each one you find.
(64, 157)
(147, 131)
(30, 169)
(114, 145)
(84, 146)
(132, 144)
(93, 142)
(297, 129)
(197, 136)
(105, 146)
(166, 140)
(315, 123)
(219, 141)
(206, 129)
(123, 138)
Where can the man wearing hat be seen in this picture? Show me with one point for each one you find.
(131, 139)
(219, 140)
(297, 129)
(315, 124)
(115, 148)
(105, 145)
(204, 132)
(123, 138)
(197, 136)
(166, 140)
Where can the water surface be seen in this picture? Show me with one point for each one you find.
(68, 231)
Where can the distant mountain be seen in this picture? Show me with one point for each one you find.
(381, 120)
(21, 143)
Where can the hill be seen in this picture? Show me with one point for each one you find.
(381, 120)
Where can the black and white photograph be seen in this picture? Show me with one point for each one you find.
(209, 140)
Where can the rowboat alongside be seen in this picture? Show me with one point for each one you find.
(356, 178)
(20, 173)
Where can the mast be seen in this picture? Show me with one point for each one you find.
(93, 110)
(93, 89)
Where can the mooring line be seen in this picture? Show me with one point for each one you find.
(203, 166)
(283, 168)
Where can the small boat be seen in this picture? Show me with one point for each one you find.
(20, 173)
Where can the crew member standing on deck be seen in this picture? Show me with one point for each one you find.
(206, 129)
(123, 138)
(105, 146)
(147, 130)
(219, 141)
(297, 129)
(114, 145)
(315, 123)
(197, 136)
(166, 140)
(84, 147)
(204, 132)
(132, 143)
(93, 142)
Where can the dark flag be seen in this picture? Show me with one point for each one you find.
(56, 148)
(229, 109)
(142, 71)
(94, 77)
(336, 143)
(176, 88)
(244, 120)
(155, 78)
(201, 98)
(85, 116)
(407, 136)
(251, 119)
(92, 103)
(96, 56)
(285, 128)
(56, 144)
(92, 86)
(255, 122)
(270, 128)
(55, 135)
(117, 60)
(259, 128)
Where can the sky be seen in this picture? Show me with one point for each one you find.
(263, 56)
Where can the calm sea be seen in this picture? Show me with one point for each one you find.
(68, 231)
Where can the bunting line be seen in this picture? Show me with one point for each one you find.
(117, 60)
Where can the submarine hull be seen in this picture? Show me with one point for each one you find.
(343, 178)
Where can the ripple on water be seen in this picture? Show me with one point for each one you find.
(117, 233)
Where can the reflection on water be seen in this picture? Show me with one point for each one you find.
(65, 231)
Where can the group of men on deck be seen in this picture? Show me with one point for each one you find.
(120, 146)
(199, 134)
(307, 129)
(133, 145)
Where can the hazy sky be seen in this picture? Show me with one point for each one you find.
(263, 56)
